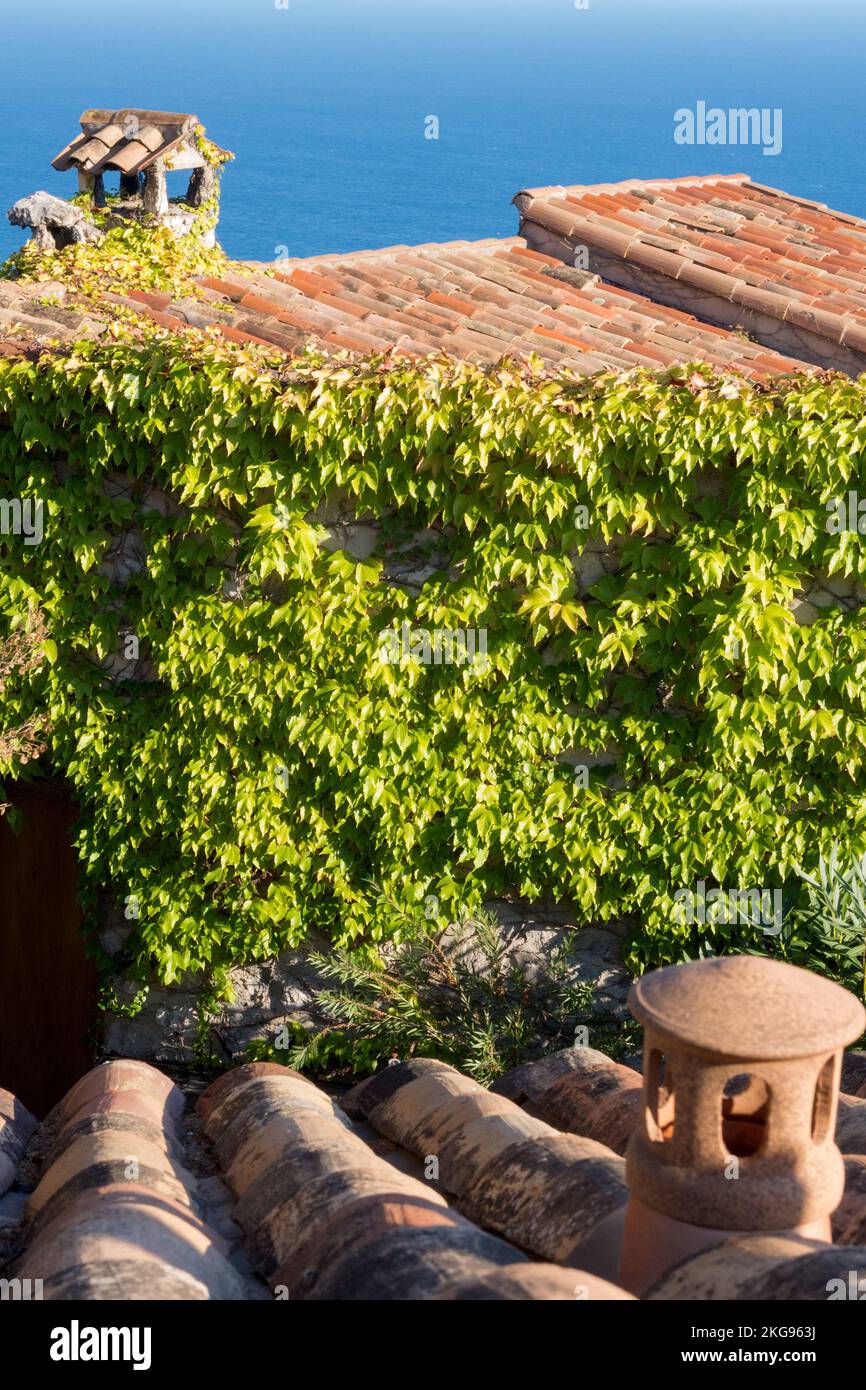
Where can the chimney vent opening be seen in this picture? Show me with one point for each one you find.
(822, 1106)
(745, 1114)
(660, 1099)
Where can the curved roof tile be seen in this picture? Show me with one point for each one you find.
(329, 1200)
(790, 258)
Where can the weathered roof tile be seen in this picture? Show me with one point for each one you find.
(743, 229)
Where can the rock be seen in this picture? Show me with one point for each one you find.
(589, 569)
(124, 556)
(53, 291)
(822, 598)
(594, 952)
(358, 541)
(267, 995)
(804, 613)
(583, 757)
(53, 222)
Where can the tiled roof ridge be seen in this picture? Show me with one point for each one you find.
(626, 185)
(713, 268)
(484, 300)
(583, 1091)
(332, 1203)
(687, 181)
(492, 299)
(506, 1169)
(487, 300)
(759, 1267)
(580, 1091)
(371, 253)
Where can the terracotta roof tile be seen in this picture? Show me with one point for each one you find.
(581, 1091)
(93, 1230)
(745, 232)
(480, 300)
(16, 1127)
(260, 304)
(760, 1267)
(448, 301)
(237, 335)
(506, 1169)
(153, 300)
(560, 337)
(327, 1217)
(273, 1184)
(164, 320)
(348, 341)
(311, 282)
(231, 288)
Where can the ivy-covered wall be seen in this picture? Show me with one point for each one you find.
(281, 760)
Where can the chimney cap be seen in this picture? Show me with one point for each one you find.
(747, 1008)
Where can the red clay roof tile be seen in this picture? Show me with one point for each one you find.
(449, 301)
(260, 304)
(237, 335)
(498, 297)
(739, 231)
(331, 1201)
(230, 288)
(149, 297)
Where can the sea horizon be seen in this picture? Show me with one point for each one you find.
(328, 104)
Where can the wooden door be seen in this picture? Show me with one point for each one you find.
(48, 987)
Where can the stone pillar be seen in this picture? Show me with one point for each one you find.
(203, 185)
(742, 1059)
(155, 197)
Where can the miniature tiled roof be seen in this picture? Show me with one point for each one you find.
(128, 140)
(273, 1188)
(762, 249)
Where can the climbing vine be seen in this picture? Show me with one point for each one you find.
(266, 773)
(215, 156)
(129, 256)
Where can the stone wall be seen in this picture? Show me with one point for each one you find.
(282, 990)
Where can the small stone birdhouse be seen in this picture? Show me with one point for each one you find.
(742, 1058)
(142, 146)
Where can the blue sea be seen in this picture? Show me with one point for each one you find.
(326, 102)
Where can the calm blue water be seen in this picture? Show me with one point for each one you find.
(324, 103)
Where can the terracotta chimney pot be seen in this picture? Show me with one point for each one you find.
(742, 1057)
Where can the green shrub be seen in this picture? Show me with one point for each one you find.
(457, 996)
(826, 930)
(275, 766)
